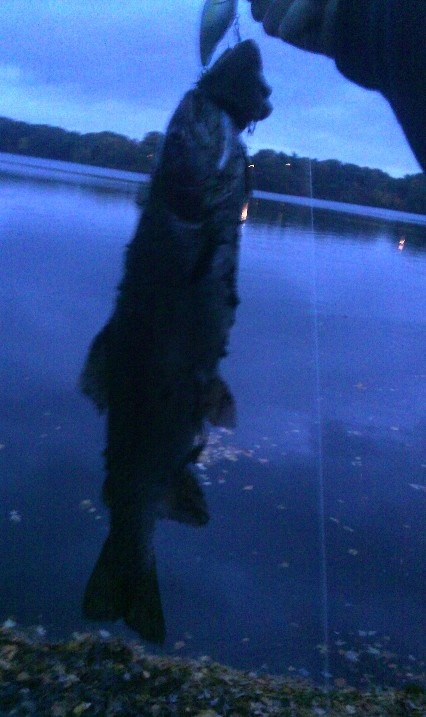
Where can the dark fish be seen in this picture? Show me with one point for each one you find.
(153, 367)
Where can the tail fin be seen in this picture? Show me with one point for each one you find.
(128, 589)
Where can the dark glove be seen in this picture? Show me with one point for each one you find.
(308, 24)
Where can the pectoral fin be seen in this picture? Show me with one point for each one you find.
(185, 502)
(94, 377)
(220, 408)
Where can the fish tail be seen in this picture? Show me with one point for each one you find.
(118, 588)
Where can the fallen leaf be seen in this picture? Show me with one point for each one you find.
(418, 486)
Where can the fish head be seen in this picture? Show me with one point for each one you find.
(236, 84)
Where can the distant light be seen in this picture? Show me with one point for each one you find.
(244, 212)
(251, 165)
(288, 164)
(401, 243)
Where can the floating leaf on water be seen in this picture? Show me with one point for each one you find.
(373, 650)
(418, 486)
(351, 655)
(352, 551)
(284, 565)
(248, 487)
(179, 644)
(303, 672)
(9, 624)
(323, 648)
(14, 516)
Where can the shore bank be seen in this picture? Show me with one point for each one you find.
(95, 675)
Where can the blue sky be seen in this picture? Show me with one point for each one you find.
(122, 65)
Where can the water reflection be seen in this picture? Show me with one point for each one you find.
(365, 228)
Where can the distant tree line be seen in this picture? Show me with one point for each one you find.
(273, 171)
(102, 149)
(334, 180)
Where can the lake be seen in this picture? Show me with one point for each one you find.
(313, 562)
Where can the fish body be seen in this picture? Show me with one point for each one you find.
(216, 18)
(154, 367)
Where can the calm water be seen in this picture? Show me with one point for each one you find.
(314, 557)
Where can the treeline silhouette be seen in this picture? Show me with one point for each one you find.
(102, 149)
(334, 180)
(273, 171)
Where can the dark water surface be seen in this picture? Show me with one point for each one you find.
(314, 557)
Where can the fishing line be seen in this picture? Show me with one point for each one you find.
(320, 466)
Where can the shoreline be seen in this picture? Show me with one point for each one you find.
(92, 675)
(16, 165)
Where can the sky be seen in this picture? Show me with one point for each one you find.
(123, 65)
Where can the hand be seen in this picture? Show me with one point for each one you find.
(308, 24)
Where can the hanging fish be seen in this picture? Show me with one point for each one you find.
(216, 19)
(154, 367)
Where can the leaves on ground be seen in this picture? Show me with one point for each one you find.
(89, 675)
